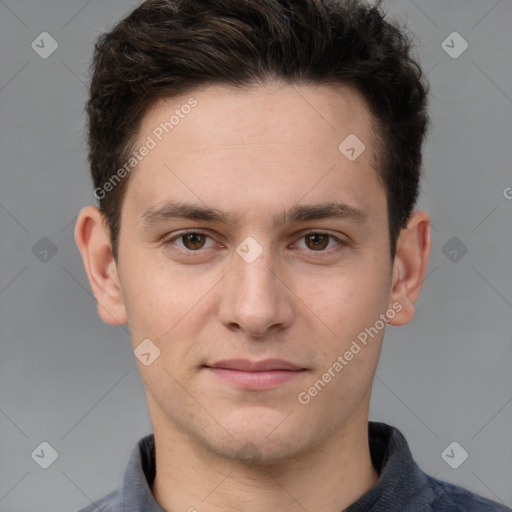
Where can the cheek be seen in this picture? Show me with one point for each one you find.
(151, 299)
(347, 309)
(346, 299)
(164, 304)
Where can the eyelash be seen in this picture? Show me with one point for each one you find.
(169, 242)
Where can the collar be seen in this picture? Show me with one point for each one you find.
(402, 484)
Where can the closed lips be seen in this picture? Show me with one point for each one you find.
(266, 365)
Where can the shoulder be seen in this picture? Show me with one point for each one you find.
(109, 503)
(453, 498)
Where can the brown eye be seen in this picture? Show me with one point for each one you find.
(193, 241)
(189, 243)
(317, 241)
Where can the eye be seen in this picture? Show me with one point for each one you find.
(193, 241)
(318, 242)
(189, 241)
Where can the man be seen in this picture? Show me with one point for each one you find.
(257, 165)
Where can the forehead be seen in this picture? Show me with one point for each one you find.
(219, 144)
(251, 115)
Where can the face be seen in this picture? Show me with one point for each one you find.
(248, 233)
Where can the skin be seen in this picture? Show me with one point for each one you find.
(254, 153)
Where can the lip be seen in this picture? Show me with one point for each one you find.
(255, 375)
(245, 365)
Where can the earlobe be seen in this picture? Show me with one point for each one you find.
(93, 240)
(410, 266)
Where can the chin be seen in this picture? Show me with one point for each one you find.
(267, 437)
(261, 451)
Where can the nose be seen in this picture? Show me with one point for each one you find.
(255, 299)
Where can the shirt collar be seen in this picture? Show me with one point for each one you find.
(136, 495)
(402, 484)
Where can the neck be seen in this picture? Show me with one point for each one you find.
(327, 479)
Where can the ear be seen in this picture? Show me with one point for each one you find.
(410, 266)
(93, 239)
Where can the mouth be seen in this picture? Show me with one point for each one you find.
(255, 375)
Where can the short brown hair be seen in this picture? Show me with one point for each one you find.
(166, 48)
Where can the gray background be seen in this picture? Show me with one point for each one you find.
(70, 380)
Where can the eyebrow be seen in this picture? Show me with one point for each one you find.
(155, 215)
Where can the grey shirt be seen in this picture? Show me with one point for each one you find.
(402, 486)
